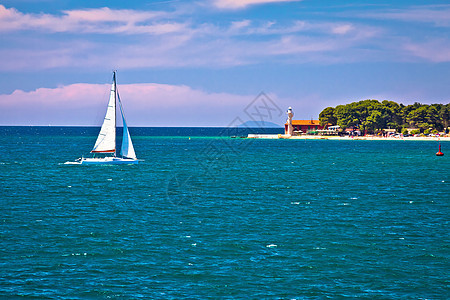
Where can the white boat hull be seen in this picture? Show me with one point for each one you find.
(104, 161)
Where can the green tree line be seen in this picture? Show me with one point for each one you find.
(372, 116)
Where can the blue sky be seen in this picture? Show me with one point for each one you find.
(201, 63)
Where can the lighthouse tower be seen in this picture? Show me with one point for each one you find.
(289, 130)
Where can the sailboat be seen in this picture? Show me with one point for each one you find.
(106, 140)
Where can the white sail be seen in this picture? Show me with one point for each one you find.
(106, 141)
(127, 145)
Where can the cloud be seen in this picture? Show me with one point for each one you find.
(127, 39)
(439, 15)
(100, 20)
(236, 26)
(437, 50)
(240, 4)
(297, 45)
(195, 45)
(146, 104)
(342, 29)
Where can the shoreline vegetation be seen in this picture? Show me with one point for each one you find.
(350, 138)
(380, 121)
(375, 117)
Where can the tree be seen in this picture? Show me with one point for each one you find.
(373, 121)
(407, 109)
(344, 116)
(417, 117)
(372, 115)
(433, 115)
(392, 114)
(444, 115)
(327, 117)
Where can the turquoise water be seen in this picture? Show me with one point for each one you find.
(215, 217)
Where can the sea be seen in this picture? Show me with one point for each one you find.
(207, 214)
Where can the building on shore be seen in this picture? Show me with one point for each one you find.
(303, 126)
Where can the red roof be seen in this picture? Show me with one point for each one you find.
(305, 122)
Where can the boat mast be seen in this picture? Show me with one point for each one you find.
(115, 113)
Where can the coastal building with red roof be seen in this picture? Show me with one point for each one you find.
(303, 126)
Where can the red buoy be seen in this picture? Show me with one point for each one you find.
(439, 153)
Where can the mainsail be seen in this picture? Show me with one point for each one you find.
(106, 141)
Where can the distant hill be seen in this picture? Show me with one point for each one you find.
(259, 124)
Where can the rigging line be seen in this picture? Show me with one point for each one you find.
(121, 107)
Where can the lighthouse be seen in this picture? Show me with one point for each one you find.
(289, 130)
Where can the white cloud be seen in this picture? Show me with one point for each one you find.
(99, 20)
(437, 50)
(160, 39)
(297, 45)
(342, 29)
(439, 15)
(239, 4)
(203, 45)
(236, 26)
(147, 104)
